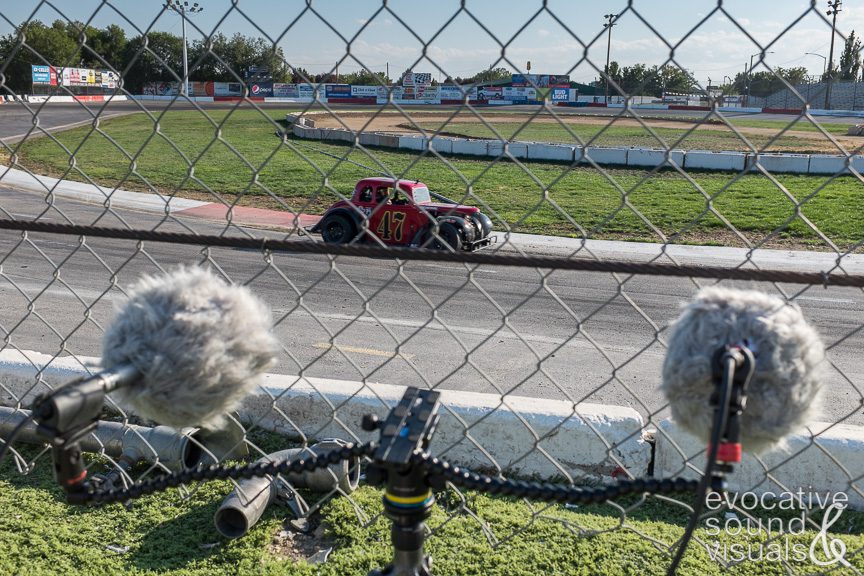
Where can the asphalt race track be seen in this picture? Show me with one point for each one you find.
(500, 330)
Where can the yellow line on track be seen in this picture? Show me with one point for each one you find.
(356, 350)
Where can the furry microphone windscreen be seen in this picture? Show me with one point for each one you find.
(784, 392)
(199, 344)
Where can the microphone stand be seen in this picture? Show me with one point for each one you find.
(732, 369)
(67, 415)
(408, 499)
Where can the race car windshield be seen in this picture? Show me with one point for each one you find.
(421, 194)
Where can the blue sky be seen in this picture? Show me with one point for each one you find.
(318, 38)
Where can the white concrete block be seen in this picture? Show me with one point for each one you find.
(25, 374)
(789, 163)
(809, 461)
(606, 156)
(495, 148)
(369, 139)
(518, 149)
(706, 160)
(575, 447)
(858, 163)
(412, 142)
(826, 164)
(471, 147)
(554, 152)
(442, 145)
(645, 157)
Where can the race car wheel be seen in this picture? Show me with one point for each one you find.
(337, 229)
(449, 234)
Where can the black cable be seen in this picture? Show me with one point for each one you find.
(721, 413)
(220, 472)
(14, 434)
(440, 471)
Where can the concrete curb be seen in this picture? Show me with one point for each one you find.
(92, 193)
(821, 458)
(526, 436)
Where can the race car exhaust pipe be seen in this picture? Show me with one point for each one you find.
(173, 449)
(245, 505)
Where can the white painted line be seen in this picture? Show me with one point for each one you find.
(40, 130)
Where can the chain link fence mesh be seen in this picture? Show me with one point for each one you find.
(348, 324)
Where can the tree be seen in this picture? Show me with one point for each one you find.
(850, 59)
(156, 57)
(35, 43)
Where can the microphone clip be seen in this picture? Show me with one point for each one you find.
(732, 369)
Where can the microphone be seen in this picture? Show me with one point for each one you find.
(784, 392)
(193, 345)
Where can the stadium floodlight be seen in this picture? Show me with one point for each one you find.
(183, 8)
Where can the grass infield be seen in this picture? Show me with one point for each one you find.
(223, 155)
(165, 534)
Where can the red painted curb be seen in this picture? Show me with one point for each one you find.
(781, 111)
(245, 216)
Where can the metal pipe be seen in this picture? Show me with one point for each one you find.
(175, 450)
(245, 505)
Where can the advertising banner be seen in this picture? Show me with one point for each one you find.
(417, 79)
(519, 93)
(397, 91)
(91, 77)
(560, 95)
(108, 79)
(282, 90)
(161, 89)
(42, 74)
(451, 92)
(426, 94)
(365, 91)
(490, 93)
(227, 89)
(307, 91)
(542, 80)
(259, 89)
(337, 90)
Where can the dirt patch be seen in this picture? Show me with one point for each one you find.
(311, 547)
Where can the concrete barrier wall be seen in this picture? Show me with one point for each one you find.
(471, 147)
(603, 156)
(643, 157)
(635, 157)
(790, 163)
(826, 164)
(551, 152)
(811, 466)
(706, 160)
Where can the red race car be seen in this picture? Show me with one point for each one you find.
(402, 213)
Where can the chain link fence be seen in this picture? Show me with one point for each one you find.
(548, 372)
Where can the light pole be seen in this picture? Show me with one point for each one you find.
(824, 61)
(608, 25)
(833, 9)
(183, 8)
(750, 74)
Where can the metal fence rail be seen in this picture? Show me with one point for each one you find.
(544, 349)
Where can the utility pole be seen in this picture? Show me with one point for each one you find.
(750, 73)
(183, 8)
(833, 9)
(608, 25)
(388, 73)
(824, 61)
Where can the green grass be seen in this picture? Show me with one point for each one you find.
(546, 198)
(165, 534)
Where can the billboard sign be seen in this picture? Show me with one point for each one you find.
(337, 90)
(307, 91)
(44, 75)
(282, 90)
(519, 93)
(490, 93)
(560, 94)
(541, 80)
(417, 79)
(259, 89)
(227, 89)
(365, 91)
(451, 92)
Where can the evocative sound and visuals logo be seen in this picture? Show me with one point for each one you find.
(776, 538)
